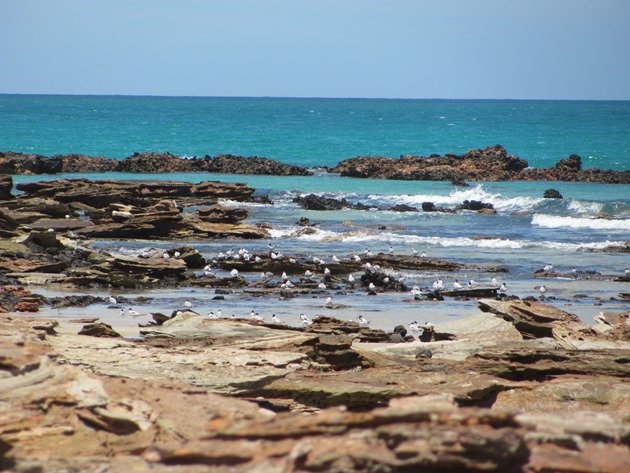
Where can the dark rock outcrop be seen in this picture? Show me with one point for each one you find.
(99, 329)
(6, 185)
(488, 164)
(317, 202)
(404, 208)
(475, 205)
(19, 163)
(552, 194)
(480, 165)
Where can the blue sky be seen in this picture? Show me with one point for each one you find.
(549, 49)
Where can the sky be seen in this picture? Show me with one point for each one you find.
(534, 49)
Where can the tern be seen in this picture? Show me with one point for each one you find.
(234, 272)
(133, 313)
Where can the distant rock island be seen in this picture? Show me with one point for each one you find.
(20, 163)
(487, 164)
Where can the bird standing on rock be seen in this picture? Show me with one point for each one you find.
(335, 259)
(391, 250)
(362, 320)
(234, 272)
(542, 290)
(351, 279)
(494, 282)
(275, 319)
(329, 303)
(548, 267)
(112, 300)
(457, 285)
(326, 272)
(503, 287)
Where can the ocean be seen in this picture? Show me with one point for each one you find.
(527, 233)
(316, 132)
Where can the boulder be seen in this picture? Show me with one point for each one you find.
(404, 208)
(552, 194)
(475, 205)
(317, 202)
(99, 330)
(572, 163)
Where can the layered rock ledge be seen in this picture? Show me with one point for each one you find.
(233, 395)
(20, 163)
(488, 164)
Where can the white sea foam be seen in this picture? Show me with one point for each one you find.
(501, 203)
(396, 238)
(585, 208)
(228, 203)
(554, 221)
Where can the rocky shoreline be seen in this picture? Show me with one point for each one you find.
(543, 392)
(488, 164)
(521, 386)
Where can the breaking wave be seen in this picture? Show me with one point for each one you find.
(501, 203)
(554, 221)
(396, 238)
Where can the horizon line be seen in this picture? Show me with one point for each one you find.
(312, 97)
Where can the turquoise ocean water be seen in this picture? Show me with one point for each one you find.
(527, 233)
(315, 132)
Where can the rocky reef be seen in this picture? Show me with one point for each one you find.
(237, 395)
(20, 163)
(488, 164)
